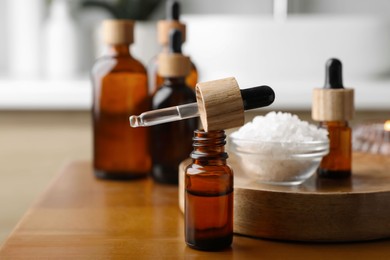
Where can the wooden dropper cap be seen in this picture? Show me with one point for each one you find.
(221, 103)
(173, 64)
(118, 31)
(333, 102)
(172, 22)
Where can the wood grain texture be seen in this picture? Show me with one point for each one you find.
(320, 210)
(173, 65)
(118, 31)
(333, 104)
(80, 217)
(220, 104)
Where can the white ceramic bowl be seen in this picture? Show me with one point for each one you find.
(277, 162)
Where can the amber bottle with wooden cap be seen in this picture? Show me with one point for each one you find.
(333, 106)
(163, 29)
(119, 90)
(209, 194)
(171, 142)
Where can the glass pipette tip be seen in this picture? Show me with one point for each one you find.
(165, 115)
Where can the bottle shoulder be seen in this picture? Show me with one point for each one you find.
(112, 64)
(138, 66)
(212, 180)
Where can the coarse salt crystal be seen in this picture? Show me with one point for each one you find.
(281, 127)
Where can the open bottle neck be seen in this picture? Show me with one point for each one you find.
(209, 147)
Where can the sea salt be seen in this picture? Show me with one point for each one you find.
(281, 127)
(279, 148)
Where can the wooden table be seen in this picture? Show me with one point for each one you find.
(80, 217)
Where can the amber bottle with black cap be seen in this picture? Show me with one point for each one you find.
(164, 27)
(119, 90)
(171, 142)
(333, 106)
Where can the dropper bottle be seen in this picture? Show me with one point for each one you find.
(167, 152)
(333, 106)
(164, 27)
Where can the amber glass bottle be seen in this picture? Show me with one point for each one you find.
(163, 29)
(338, 163)
(120, 89)
(171, 142)
(333, 107)
(209, 194)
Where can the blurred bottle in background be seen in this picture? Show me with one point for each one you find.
(62, 42)
(163, 28)
(24, 20)
(141, 11)
(120, 89)
(171, 143)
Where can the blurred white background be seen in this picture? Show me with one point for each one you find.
(48, 47)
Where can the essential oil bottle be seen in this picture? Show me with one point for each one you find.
(119, 90)
(171, 142)
(333, 107)
(163, 29)
(209, 194)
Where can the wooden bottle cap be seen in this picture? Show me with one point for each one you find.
(220, 104)
(118, 31)
(173, 65)
(165, 26)
(332, 104)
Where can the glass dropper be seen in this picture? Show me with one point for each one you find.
(252, 98)
(165, 115)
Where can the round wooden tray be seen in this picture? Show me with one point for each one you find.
(322, 210)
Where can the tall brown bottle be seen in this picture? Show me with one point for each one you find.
(120, 89)
(171, 142)
(163, 29)
(209, 194)
(333, 107)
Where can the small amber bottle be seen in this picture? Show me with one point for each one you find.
(333, 107)
(171, 142)
(209, 194)
(338, 163)
(119, 90)
(163, 29)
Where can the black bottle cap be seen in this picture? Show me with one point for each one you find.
(173, 10)
(334, 74)
(175, 41)
(256, 97)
